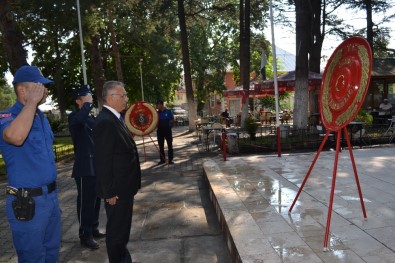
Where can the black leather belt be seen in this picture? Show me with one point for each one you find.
(31, 191)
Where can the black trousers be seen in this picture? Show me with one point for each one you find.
(119, 223)
(162, 136)
(88, 206)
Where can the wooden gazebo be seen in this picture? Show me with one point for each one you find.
(382, 83)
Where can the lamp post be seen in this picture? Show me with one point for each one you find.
(141, 78)
(275, 80)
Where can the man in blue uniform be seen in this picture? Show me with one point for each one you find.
(26, 139)
(88, 204)
(166, 119)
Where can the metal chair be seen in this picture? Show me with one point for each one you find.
(212, 132)
(200, 123)
(321, 133)
(391, 129)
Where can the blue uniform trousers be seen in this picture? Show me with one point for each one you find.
(37, 240)
(88, 206)
(162, 136)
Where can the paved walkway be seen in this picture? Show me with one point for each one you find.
(173, 220)
(253, 195)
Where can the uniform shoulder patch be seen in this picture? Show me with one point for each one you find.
(5, 115)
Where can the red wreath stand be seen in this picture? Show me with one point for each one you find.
(142, 119)
(343, 89)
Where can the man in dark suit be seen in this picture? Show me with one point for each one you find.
(88, 204)
(117, 168)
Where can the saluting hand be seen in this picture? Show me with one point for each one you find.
(35, 93)
(87, 98)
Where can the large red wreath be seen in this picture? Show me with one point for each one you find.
(141, 118)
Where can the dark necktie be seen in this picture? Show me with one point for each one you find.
(122, 121)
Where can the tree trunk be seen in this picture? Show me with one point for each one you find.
(60, 88)
(12, 38)
(315, 52)
(241, 39)
(201, 92)
(97, 68)
(114, 43)
(369, 24)
(317, 37)
(245, 55)
(303, 40)
(187, 65)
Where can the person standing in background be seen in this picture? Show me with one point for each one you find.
(88, 204)
(166, 119)
(117, 168)
(225, 118)
(32, 205)
(385, 108)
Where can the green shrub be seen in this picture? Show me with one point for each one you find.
(365, 117)
(57, 125)
(250, 125)
(2, 166)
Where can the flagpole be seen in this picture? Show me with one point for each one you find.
(81, 44)
(141, 79)
(275, 79)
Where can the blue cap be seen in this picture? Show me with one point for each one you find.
(83, 91)
(159, 102)
(30, 74)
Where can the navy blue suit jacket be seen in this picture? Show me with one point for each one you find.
(80, 126)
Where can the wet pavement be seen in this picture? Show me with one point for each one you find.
(253, 194)
(201, 207)
(173, 219)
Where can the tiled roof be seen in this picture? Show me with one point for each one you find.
(287, 60)
(382, 67)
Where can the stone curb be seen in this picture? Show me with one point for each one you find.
(243, 236)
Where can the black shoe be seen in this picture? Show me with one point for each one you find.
(89, 243)
(161, 162)
(98, 235)
(171, 162)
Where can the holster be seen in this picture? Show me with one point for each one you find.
(24, 206)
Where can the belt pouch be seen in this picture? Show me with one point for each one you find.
(23, 206)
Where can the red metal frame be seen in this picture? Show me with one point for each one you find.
(224, 141)
(338, 138)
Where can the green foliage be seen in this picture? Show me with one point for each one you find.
(142, 32)
(250, 125)
(2, 166)
(57, 124)
(214, 46)
(365, 117)
(149, 30)
(7, 95)
(270, 101)
(62, 141)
